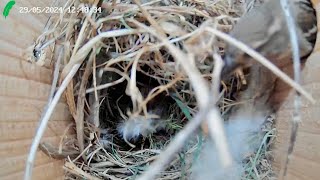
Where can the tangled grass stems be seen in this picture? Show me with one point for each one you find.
(167, 45)
(202, 92)
(260, 154)
(44, 121)
(264, 62)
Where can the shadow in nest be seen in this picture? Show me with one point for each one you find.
(115, 107)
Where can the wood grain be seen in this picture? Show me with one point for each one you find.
(24, 89)
(305, 161)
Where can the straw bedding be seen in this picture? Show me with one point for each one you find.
(131, 96)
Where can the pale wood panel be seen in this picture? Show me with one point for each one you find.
(17, 148)
(302, 169)
(24, 130)
(16, 67)
(24, 89)
(47, 171)
(14, 156)
(29, 110)
(305, 161)
(310, 120)
(307, 145)
(307, 150)
(16, 164)
(21, 30)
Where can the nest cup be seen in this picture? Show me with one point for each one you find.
(25, 88)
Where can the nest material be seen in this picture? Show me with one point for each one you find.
(130, 75)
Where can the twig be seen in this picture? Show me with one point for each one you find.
(64, 135)
(176, 143)
(104, 86)
(151, 48)
(96, 77)
(56, 153)
(72, 168)
(44, 122)
(177, 9)
(96, 97)
(214, 120)
(85, 49)
(263, 61)
(133, 91)
(55, 76)
(296, 64)
(31, 156)
(202, 94)
(156, 91)
(82, 153)
(83, 28)
(80, 104)
(200, 86)
(216, 73)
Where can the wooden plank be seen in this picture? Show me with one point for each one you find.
(16, 87)
(16, 148)
(23, 93)
(47, 171)
(16, 67)
(305, 161)
(26, 130)
(306, 145)
(29, 110)
(16, 164)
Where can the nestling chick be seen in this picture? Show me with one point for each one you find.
(264, 28)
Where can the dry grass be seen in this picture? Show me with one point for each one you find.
(130, 58)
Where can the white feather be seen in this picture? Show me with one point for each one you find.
(239, 130)
(133, 128)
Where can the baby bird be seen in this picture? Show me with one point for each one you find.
(264, 28)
